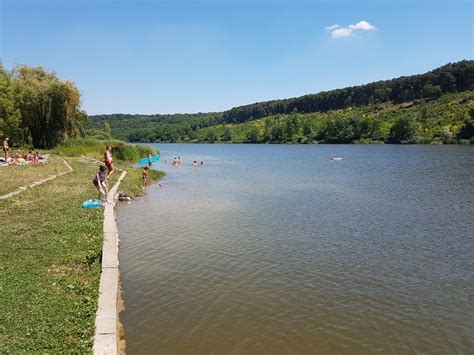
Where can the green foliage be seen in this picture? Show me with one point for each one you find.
(49, 108)
(132, 152)
(451, 78)
(360, 114)
(444, 120)
(91, 146)
(402, 131)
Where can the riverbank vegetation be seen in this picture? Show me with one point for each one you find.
(434, 107)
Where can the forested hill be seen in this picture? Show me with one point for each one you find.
(311, 114)
(456, 77)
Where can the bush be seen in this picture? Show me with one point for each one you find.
(95, 147)
(132, 152)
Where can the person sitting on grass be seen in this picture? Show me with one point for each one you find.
(145, 177)
(100, 183)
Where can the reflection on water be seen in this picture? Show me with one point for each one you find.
(278, 249)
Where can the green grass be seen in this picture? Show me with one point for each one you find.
(49, 260)
(49, 268)
(13, 177)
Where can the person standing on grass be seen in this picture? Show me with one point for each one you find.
(108, 161)
(6, 148)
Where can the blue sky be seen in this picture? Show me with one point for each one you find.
(200, 56)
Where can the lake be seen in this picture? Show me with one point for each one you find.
(276, 249)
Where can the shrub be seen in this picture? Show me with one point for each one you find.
(95, 147)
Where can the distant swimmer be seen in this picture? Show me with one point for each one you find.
(165, 162)
(336, 158)
(195, 163)
(179, 160)
(202, 163)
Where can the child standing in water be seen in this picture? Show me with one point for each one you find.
(100, 183)
(145, 177)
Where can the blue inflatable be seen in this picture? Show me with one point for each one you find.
(152, 159)
(92, 204)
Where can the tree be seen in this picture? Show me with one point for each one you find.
(467, 130)
(9, 114)
(106, 128)
(402, 131)
(49, 107)
(211, 136)
(227, 136)
(252, 135)
(432, 91)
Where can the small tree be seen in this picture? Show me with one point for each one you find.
(211, 136)
(227, 136)
(106, 128)
(402, 131)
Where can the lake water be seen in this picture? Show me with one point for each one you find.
(276, 249)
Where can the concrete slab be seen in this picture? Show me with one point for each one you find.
(105, 344)
(106, 339)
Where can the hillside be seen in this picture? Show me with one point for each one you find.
(425, 108)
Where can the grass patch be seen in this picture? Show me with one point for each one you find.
(14, 176)
(49, 265)
(49, 260)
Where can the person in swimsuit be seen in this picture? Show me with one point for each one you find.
(6, 148)
(108, 161)
(145, 177)
(100, 182)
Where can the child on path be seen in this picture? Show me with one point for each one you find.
(100, 183)
(145, 177)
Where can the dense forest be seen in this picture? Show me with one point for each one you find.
(435, 107)
(451, 78)
(37, 108)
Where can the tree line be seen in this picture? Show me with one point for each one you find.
(37, 108)
(446, 120)
(451, 78)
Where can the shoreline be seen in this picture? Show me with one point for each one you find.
(106, 322)
(109, 335)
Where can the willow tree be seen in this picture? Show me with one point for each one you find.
(9, 114)
(49, 107)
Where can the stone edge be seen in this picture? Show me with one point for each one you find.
(106, 336)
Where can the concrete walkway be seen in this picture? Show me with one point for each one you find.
(106, 337)
(39, 182)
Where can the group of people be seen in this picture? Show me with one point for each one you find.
(101, 179)
(19, 158)
(177, 161)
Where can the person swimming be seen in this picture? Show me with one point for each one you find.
(195, 163)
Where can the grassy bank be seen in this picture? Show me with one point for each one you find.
(50, 259)
(13, 177)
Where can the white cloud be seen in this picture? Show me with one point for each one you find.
(362, 25)
(342, 32)
(333, 27)
(348, 31)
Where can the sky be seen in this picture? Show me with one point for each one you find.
(204, 56)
